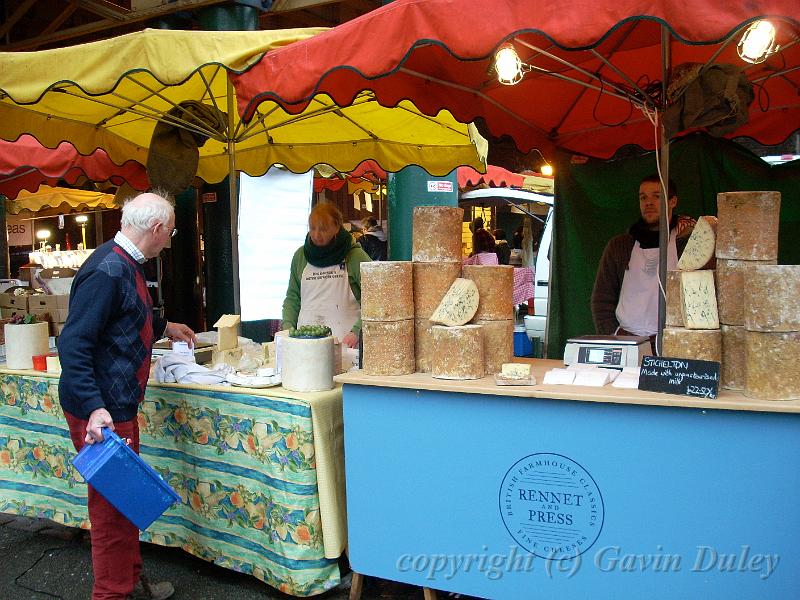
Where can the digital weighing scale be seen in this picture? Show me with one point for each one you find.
(611, 351)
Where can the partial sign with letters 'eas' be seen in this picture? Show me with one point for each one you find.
(688, 377)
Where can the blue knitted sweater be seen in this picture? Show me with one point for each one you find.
(106, 343)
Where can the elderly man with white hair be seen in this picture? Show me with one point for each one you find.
(105, 351)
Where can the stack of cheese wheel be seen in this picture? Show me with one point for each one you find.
(436, 255)
(457, 348)
(692, 321)
(747, 236)
(495, 312)
(387, 315)
(772, 332)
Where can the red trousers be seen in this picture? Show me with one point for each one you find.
(116, 560)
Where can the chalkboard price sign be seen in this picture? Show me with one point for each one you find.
(684, 376)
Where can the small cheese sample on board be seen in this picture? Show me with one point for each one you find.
(495, 289)
(732, 371)
(459, 304)
(436, 234)
(698, 344)
(387, 291)
(772, 298)
(674, 302)
(498, 344)
(747, 227)
(771, 361)
(388, 347)
(457, 352)
(730, 278)
(699, 304)
(431, 282)
(518, 370)
(699, 250)
(423, 345)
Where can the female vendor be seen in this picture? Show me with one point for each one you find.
(325, 280)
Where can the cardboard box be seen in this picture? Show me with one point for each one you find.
(7, 313)
(48, 301)
(228, 329)
(63, 301)
(18, 302)
(5, 300)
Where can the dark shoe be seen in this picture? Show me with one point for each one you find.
(145, 590)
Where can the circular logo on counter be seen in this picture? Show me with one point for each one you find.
(551, 506)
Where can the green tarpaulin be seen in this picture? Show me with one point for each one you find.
(596, 200)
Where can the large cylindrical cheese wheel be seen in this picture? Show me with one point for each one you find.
(730, 278)
(307, 364)
(732, 371)
(457, 352)
(388, 347)
(498, 344)
(431, 282)
(387, 291)
(771, 361)
(674, 311)
(698, 344)
(423, 345)
(772, 298)
(436, 234)
(495, 291)
(747, 227)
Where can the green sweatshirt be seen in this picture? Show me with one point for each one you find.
(291, 305)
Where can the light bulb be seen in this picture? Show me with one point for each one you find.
(508, 65)
(547, 170)
(758, 42)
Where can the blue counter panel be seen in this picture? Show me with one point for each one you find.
(504, 497)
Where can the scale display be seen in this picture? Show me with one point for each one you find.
(614, 352)
(605, 356)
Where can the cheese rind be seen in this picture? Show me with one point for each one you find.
(772, 298)
(495, 289)
(423, 345)
(307, 364)
(771, 360)
(457, 352)
(498, 344)
(388, 347)
(698, 344)
(730, 279)
(699, 250)
(431, 282)
(733, 357)
(674, 317)
(699, 305)
(459, 304)
(748, 225)
(436, 234)
(387, 291)
(518, 370)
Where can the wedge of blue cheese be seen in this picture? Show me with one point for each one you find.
(700, 248)
(699, 300)
(459, 304)
(515, 370)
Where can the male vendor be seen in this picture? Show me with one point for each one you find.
(625, 295)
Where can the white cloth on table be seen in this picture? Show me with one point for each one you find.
(178, 368)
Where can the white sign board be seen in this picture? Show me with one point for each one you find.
(20, 231)
(440, 186)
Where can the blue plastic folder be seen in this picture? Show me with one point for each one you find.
(125, 480)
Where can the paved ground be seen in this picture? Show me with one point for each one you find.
(42, 560)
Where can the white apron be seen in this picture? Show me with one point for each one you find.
(326, 299)
(637, 309)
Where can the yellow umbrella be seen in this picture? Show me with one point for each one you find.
(113, 94)
(53, 197)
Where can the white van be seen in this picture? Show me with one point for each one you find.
(536, 323)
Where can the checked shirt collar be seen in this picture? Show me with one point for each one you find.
(130, 248)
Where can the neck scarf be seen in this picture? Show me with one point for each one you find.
(333, 253)
(646, 237)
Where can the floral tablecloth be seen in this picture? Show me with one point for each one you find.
(243, 463)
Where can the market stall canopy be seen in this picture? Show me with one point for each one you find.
(54, 197)
(588, 68)
(173, 86)
(494, 177)
(25, 165)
